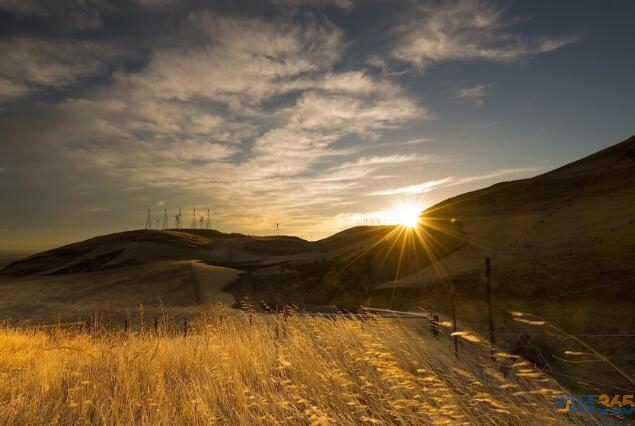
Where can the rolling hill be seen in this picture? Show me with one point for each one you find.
(562, 246)
(181, 269)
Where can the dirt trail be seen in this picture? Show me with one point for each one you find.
(208, 282)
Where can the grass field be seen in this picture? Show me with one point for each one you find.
(307, 371)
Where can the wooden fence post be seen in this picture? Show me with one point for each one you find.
(435, 325)
(490, 310)
(285, 315)
(277, 324)
(455, 337)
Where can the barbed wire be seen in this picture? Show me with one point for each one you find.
(582, 379)
(577, 291)
(623, 155)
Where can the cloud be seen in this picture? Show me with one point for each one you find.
(474, 94)
(266, 117)
(21, 7)
(358, 115)
(390, 160)
(242, 110)
(465, 30)
(494, 174)
(413, 189)
(453, 181)
(408, 142)
(415, 141)
(157, 4)
(238, 61)
(63, 15)
(31, 64)
(341, 4)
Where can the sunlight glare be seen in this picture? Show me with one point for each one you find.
(406, 214)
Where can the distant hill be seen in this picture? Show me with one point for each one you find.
(183, 270)
(143, 246)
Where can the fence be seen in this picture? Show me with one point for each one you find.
(277, 321)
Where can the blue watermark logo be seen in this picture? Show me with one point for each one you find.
(595, 404)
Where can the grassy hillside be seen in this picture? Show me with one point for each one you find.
(118, 272)
(561, 245)
(144, 246)
(318, 372)
(114, 274)
(185, 286)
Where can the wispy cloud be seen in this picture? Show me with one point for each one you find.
(395, 144)
(100, 209)
(414, 189)
(276, 115)
(415, 141)
(63, 15)
(474, 94)
(342, 4)
(454, 181)
(495, 174)
(201, 118)
(157, 4)
(238, 61)
(466, 30)
(31, 64)
(393, 159)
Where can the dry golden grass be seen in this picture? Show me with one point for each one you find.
(320, 371)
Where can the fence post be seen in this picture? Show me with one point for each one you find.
(490, 311)
(277, 324)
(285, 315)
(435, 325)
(455, 337)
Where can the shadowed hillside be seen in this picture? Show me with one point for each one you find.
(173, 267)
(562, 247)
(183, 270)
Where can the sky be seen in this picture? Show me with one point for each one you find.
(316, 115)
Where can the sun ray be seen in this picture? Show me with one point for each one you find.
(405, 214)
(416, 236)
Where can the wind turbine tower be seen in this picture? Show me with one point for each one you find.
(177, 220)
(148, 221)
(165, 219)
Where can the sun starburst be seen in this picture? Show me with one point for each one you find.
(406, 214)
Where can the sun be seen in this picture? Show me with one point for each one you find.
(406, 214)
